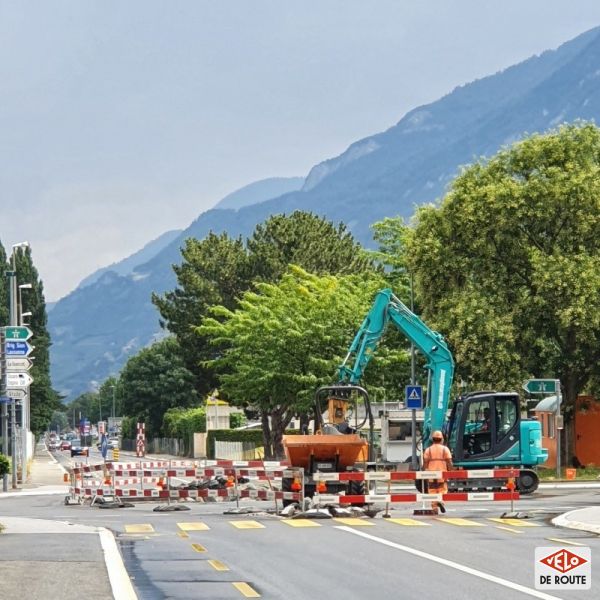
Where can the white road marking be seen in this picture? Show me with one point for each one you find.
(453, 565)
(117, 574)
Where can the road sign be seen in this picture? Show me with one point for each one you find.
(540, 386)
(18, 365)
(5, 399)
(18, 380)
(104, 446)
(16, 393)
(17, 333)
(414, 396)
(17, 348)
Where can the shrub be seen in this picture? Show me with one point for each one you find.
(182, 423)
(4, 465)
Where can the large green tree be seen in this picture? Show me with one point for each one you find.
(218, 270)
(508, 266)
(286, 339)
(153, 381)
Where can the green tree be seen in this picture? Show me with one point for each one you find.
(218, 270)
(153, 381)
(508, 266)
(284, 340)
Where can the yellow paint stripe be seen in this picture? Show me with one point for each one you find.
(194, 526)
(561, 541)
(459, 522)
(353, 522)
(507, 529)
(301, 523)
(198, 548)
(514, 522)
(409, 522)
(139, 528)
(247, 524)
(183, 534)
(245, 589)
(217, 565)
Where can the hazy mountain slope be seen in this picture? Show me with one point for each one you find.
(127, 265)
(96, 328)
(259, 191)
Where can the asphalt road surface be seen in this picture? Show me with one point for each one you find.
(205, 553)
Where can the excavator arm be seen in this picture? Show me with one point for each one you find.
(440, 365)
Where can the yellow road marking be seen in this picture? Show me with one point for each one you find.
(409, 522)
(139, 528)
(514, 522)
(217, 565)
(195, 526)
(561, 541)
(247, 524)
(459, 522)
(198, 548)
(246, 589)
(182, 534)
(301, 523)
(507, 529)
(354, 522)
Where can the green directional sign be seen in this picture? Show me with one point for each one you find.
(541, 386)
(17, 332)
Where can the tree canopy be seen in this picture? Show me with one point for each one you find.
(508, 266)
(286, 339)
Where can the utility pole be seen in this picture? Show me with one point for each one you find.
(414, 464)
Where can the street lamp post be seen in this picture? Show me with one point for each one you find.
(14, 320)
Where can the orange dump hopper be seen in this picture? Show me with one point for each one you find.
(350, 449)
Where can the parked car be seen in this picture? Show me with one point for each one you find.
(65, 445)
(79, 451)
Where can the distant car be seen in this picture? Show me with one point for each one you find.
(79, 451)
(65, 445)
(52, 446)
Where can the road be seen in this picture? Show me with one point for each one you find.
(204, 553)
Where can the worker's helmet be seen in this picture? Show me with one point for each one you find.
(437, 436)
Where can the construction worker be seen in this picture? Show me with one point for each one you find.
(437, 458)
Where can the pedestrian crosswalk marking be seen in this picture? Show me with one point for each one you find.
(245, 589)
(514, 522)
(139, 528)
(301, 523)
(217, 565)
(409, 522)
(247, 524)
(460, 522)
(194, 526)
(353, 522)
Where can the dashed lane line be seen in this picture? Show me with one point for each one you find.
(407, 522)
(139, 528)
(508, 529)
(353, 522)
(217, 565)
(183, 534)
(198, 548)
(561, 541)
(514, 522)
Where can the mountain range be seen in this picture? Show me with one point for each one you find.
(110, 316)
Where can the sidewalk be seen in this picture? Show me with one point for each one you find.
(584, 519)
(58, 552)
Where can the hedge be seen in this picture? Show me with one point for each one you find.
(4, 465)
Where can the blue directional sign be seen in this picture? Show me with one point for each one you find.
(414, 396)
(16, 348)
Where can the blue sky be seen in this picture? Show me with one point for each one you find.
(121, 120)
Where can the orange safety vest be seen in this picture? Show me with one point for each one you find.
(437, 454)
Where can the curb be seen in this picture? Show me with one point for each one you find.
(565, 521)
(120, 582)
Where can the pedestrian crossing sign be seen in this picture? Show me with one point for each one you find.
(414, 396)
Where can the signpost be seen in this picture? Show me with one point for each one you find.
(18, 365)
(550, 386)
(17, 348)
(17, 333)
(541, 386)
(18, 380)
